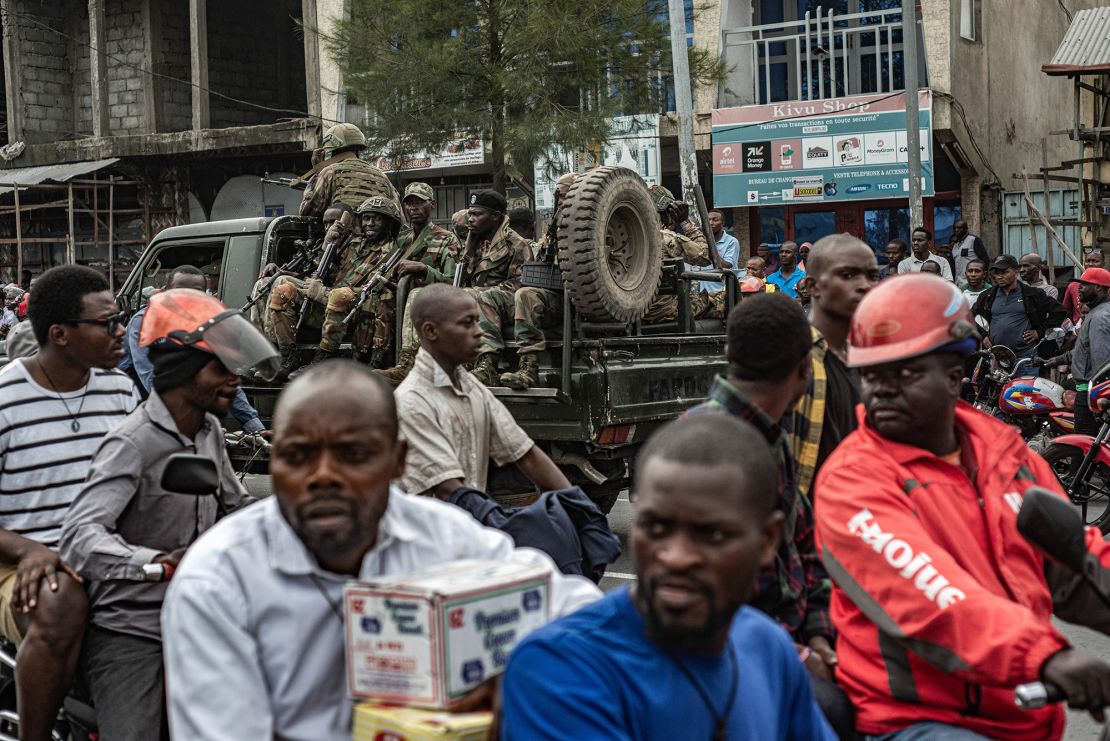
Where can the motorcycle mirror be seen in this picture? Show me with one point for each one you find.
(982, 322)
(188, 473)
(1055, 334)
(1049, 522)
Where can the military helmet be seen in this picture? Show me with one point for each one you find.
(661, 196)
(380, 205)
(343, 135)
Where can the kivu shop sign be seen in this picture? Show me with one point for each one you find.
(840, 149)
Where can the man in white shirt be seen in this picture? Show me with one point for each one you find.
(921, 241)
(253, 621)
(453, 423)
(727, 247)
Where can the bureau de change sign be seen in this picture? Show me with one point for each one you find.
(839, 149)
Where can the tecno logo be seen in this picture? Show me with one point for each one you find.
(914, 567)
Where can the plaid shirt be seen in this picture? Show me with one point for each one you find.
(795, 589)
(805, 423)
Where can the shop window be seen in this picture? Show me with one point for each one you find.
(943, 219)
(967, 19)
(880, 225)
(809, 226)
(772, 226)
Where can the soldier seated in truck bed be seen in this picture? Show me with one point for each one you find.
(681, 239)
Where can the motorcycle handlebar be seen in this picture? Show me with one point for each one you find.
(1036, 695)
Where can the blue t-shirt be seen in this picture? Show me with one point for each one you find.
(789, 286)
(595, 675)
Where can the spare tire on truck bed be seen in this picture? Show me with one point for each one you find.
(610, 246)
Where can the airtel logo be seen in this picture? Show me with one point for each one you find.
(726, 151)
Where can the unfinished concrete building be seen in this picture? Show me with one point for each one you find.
(122, 117)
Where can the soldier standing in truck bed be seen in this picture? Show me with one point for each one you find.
(342, 177)
(680, 239)
(491, 264)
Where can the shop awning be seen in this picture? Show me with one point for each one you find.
(25, 176)
(1085, 49)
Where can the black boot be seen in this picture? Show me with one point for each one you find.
(319, 357)
(290, 361)
(379, 358)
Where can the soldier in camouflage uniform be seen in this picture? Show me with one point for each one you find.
(380, 222)
(342, 177)
(680, 239)
(489, 270)
(537, 309)
(430, 253)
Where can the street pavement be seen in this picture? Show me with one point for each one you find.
(622, 573)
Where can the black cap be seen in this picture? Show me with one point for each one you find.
(490, 199)
(1004, 262)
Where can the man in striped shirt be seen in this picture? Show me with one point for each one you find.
(55, 408)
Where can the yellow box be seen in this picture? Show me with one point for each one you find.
(373, 722)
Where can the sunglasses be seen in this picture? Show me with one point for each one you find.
(110, 323)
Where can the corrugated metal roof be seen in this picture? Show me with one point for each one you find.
(1086, 46)
(57, 173)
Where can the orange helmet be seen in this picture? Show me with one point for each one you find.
(195, 319)
(907, 316)
(751, 284)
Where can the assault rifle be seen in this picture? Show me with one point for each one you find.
(307, 254)
(374, 285)
(294, 183)
(332, 248)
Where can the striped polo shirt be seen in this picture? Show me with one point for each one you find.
(43, 461)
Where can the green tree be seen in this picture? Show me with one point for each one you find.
(521, 74)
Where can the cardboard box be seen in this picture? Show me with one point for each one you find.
(428, 639)
(373, 722)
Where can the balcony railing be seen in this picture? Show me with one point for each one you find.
(823, 55)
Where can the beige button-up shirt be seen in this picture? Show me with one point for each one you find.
(452, 430)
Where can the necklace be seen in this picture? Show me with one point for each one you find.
(327, 598)
(75, 425)
(720, 720)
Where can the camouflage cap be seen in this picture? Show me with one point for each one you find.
(423, 191)
(342, 135)
(212, 268)
(380, 205)
(661, 196)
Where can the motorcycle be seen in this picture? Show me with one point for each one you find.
(1082, 463)
(1038, 407)
(1046, 521)
(185, 473)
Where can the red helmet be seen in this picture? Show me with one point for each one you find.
(190, 317)
(907, 316)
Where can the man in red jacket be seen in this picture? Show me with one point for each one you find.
(942, 607)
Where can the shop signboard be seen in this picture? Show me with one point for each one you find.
(633, 143)
(461, 150)
(839, 149)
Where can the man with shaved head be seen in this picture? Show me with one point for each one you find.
(842, 269)
(254, 615)
(453, 423)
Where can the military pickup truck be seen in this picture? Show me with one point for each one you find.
(607, 381)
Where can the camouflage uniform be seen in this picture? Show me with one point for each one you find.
(692, 248)
(708, 305)
(357, 264)
(535, 310)
(347, 180)
(491, 274)
(438, 249)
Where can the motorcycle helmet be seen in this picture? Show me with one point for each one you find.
(907, 316)
(195, 319)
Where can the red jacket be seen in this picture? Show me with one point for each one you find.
(942, 607)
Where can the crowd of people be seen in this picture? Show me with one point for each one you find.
(825, 547)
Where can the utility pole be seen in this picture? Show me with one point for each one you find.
(913, 125)
(683, 99)
(684, 111)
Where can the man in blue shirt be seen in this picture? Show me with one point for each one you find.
(677, 655)
(787, 277)
(727, 247)
(136, 360)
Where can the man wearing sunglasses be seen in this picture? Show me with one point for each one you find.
(55, 409)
